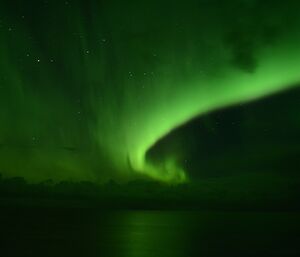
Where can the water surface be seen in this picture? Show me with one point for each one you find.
(73, 232)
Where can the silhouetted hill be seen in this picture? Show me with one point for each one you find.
(247, 192)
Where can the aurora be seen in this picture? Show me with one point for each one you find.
(87, 88)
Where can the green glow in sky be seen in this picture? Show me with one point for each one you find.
(86, 89)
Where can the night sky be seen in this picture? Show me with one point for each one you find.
(93, 90)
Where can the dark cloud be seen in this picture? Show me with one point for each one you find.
(254, 25)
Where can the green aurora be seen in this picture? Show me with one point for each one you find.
(88, 87)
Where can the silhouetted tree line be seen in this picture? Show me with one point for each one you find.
(146, 194)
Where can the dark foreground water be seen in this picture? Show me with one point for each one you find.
(73, 232)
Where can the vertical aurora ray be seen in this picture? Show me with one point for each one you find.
(112, 79)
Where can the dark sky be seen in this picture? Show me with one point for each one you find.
(258, 137)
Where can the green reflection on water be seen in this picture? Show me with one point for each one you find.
(202, 234)
(151, 233)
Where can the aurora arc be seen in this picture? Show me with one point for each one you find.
(140, 80)
(238, 87)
